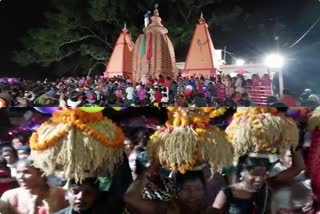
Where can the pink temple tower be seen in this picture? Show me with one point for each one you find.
(200, 59)
(120, 62)
(153, 53)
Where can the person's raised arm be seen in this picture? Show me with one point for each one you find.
(135, 202)
(287, 175)
(220, 201)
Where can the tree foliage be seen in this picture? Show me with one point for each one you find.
(78, 35)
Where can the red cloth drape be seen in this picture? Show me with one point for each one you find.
(149, 48)
(313, 165)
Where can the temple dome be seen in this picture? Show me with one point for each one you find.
(154, 52)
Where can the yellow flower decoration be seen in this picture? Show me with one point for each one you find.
(188, 140)
(261, 130)
(78, 119)
(79, 143)
(314, 120)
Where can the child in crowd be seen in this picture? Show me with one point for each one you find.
(11, 157)
(23, 152)
(82, 197)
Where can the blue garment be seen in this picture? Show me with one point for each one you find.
(143, 159)
(193, 83)
(69, 210)
(51, 93)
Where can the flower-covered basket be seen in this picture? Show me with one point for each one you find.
(261, 130)
(188, 141)
(78, 143)
(314, 120)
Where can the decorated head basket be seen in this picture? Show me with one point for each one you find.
(79, 143)
(188, 141)
(314, 120)
(261, 130)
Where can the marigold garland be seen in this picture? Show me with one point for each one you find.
(71, 115)
(81, 144)
(47, 143)
(79, 119)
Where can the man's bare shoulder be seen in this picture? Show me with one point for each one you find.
(12, 193)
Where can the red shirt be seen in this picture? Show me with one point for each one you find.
(158, 96)
(236, 99)
(167, 83)
(161, 81)
(266, 82)
(199, 88)
(150, 81)
(256, 82)
(87, 83)
(288, 101)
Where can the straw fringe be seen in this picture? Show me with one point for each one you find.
(180, 149)
(261, 132)
(314, 120)
(79, 156)
(78, 153)
(189, 141)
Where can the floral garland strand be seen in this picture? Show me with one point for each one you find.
(47, 143)
(77, 118)
(196, 117)
(71, 115)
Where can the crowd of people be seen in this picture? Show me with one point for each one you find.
(255, 185)
(161, 92)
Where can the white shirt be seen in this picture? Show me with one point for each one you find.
(130, 92)
(13, 170)
(190, 87)
(295, 195)
(152, 98)
(164, 99)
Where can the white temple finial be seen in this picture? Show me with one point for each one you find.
(156, 11)
(202, 20)
(147, 19)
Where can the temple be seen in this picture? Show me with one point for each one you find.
(120, 62)
(201, 59)
(153, 53)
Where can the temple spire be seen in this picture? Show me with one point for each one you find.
(202, 20)
(156, 11)
(156, 19)
(121, 61)
(125, 30)
(201, 55)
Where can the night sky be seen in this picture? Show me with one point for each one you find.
(17, 16)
